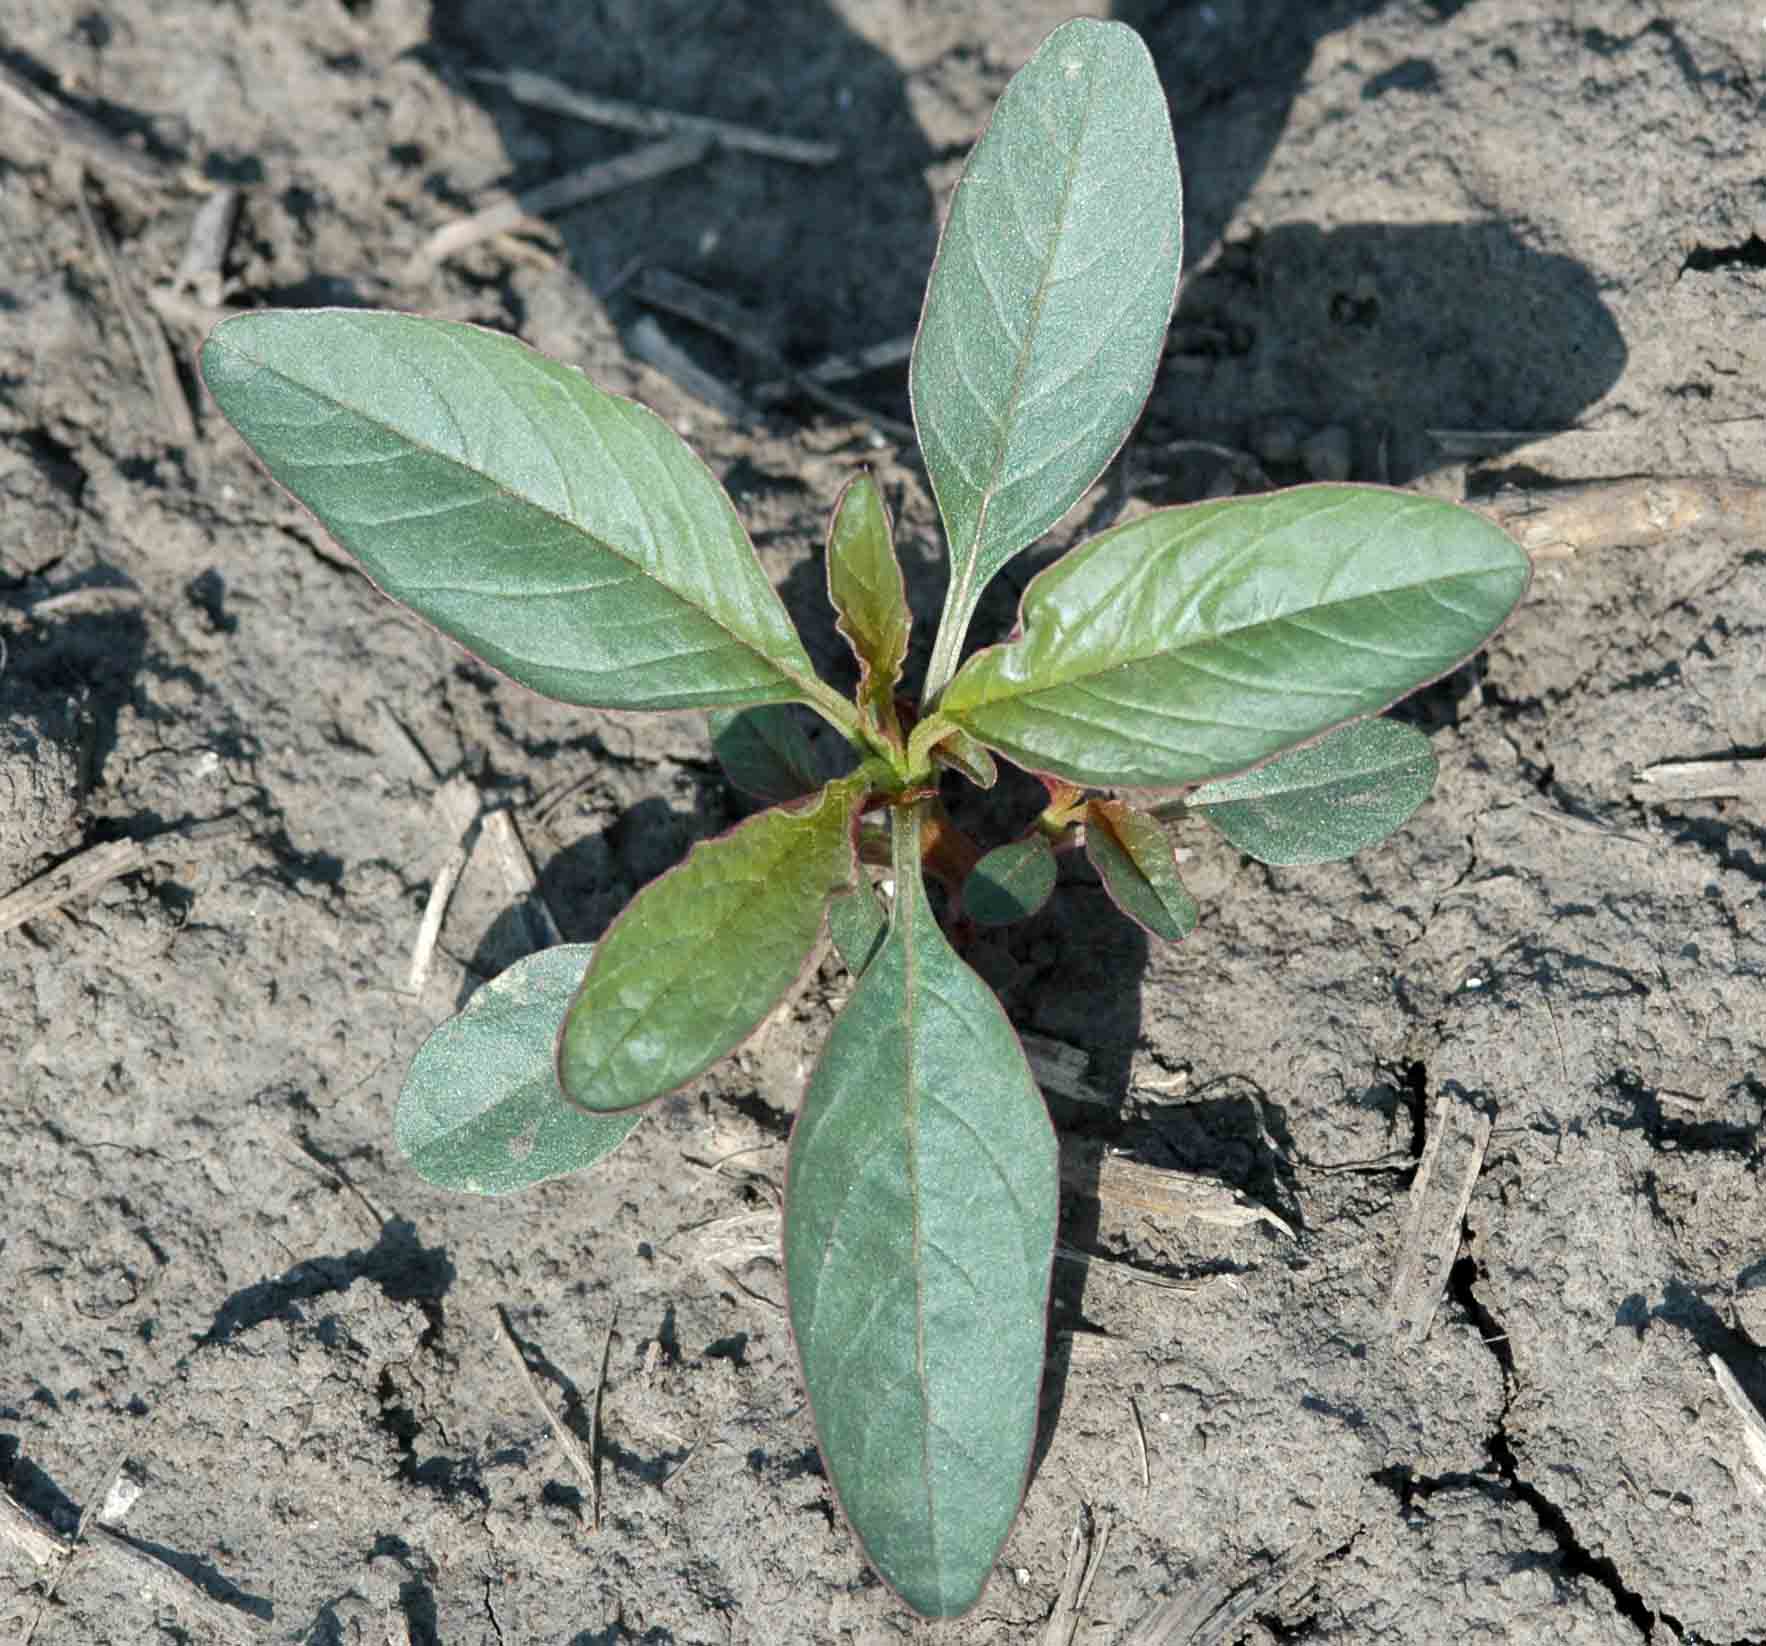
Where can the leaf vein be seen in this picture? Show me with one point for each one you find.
(981, 1145)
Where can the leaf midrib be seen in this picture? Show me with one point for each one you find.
(910, 1139)
(964, 592)
(1048, 682)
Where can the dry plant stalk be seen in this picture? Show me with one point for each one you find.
(510, 212)
(1088, 1168)
(1436, 1210)
(1564, 521)
(1676, 780)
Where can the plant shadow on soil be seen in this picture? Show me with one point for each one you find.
(1394, 330)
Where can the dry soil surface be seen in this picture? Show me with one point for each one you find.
(1514, 1057)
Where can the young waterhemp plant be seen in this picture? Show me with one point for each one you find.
(1229, 654)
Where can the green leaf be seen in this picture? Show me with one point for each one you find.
(1010, 882)
(764, 752)
(865, 585)
(1134, 858)
(565, 535)
(481, 1109)
(1328, 800)
(919, 1228)
(1195, 642)
(856, 923)
(958, 750)
(701, 954)
(1048, 302)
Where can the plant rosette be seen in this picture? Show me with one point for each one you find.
(1232, 657)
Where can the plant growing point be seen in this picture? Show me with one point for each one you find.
(1231, 655)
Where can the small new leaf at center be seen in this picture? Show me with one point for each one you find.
(1011, 882)
(865, 585)
(1132, 854)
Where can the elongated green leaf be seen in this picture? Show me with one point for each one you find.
(700, 955)
(563, 534)
(1133, 856)
(1195, 642)
(864, 583)
(1329, 800)
(764, 752)
(1050, 296)
(1010, 882)
(919, 1228)
(856, 923)
(481, 1109)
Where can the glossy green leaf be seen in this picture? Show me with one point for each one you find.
(1048, 302)
(565, 535)
(481, 1109)
(703, 953)
(1195, 642)
(1135, 860)
(865, 585)
(1329, 800)
(856, 923)
(962, 753)
(921, 1200)
(1010, 882)
(764, 752)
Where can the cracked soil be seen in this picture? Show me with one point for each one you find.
(1478, 247)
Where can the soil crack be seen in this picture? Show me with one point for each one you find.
(1578, 1561)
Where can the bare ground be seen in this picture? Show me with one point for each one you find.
(1514, 1057)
